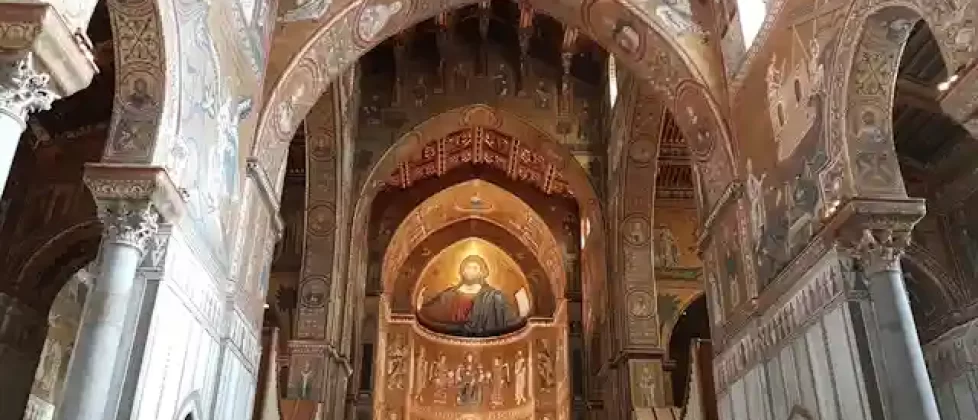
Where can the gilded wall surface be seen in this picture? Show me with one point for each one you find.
(422, 375)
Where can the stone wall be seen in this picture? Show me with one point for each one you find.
(806, 357)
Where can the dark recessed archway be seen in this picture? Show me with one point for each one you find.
(693, 323)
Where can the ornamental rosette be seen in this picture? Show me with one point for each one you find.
(23, 90)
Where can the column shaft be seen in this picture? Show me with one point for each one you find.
(96, 357)
(101, 356)
(904, 378)
(911, 396)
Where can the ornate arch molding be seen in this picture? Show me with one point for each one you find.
(593, 255)
(54, 260)
(498, 206)
(863, 82)
(589, 207)
(624, 28)
(144, 107)
(400, 288)
(948, 284)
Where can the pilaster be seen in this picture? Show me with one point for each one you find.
(321, 348)
(637, 356)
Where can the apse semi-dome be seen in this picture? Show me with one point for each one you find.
(472, 288)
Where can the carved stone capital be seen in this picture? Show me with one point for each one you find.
(58, 48)
(24, 90)
(875, 231)
(880, 250)
(131, 223)
(132, 201)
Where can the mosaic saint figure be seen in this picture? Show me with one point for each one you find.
(471, 307)
(422, 370)
(442, 377)
(469, 382)
(306, 374)
(500, 377)
(520, 392)
(396, 363)
(545, 366)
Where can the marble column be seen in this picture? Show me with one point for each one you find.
(98, 358)
(23, 91)
(906, 382)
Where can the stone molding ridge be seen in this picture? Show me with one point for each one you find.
(265, 189)
(132, 201)
(23, 89)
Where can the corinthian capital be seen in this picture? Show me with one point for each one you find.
(881, 249)
(23, 90)
(132, 201)
(129, 223)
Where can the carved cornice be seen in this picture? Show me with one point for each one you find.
(268, 197)
(24, 90)
(132, 200)
(59, 50)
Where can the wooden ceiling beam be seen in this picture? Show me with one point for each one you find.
(913, 94)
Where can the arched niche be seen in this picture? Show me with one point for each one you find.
(402, 293)
(63, 320)
(443, 289)
(692, 323)
(476, 200)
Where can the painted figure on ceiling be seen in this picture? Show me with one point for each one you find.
(471, 307)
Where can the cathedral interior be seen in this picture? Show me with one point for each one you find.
(489, 209)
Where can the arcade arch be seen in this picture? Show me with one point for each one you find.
(513, 127)
(637, 41)
(514, 342)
